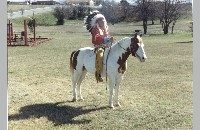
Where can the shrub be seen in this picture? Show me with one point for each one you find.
(46, 19)
(70, 13)
(59, 13)
(73, 13)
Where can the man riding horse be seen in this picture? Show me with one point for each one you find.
(96, 24)
(84, 60)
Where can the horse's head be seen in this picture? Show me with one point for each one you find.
(137, 48)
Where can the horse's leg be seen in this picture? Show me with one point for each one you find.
(82, 77)
(111, 87)
(75, 78)
(118, 81)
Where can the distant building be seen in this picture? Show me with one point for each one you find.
(17, 2)
(34, 2)
(45, 2)
(84, 2)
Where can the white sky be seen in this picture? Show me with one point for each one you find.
(64, 0)
(54, 0)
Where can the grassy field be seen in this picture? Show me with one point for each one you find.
(15, 8)
(154, 95)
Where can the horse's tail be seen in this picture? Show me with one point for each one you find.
(71, 62)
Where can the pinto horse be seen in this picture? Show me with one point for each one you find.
(114, 64)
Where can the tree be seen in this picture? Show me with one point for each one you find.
(152, 12)
(31, 24)
(169, 11)
(111, 11)
(59, 13)
(125, 8)
(144, 12)
(98, 2)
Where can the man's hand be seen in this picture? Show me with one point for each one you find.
(111, 40)
(105, 45)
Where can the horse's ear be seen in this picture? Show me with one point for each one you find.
(135, 35)
(132, 39)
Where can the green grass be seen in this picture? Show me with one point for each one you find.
(154, 95)
(44, 19)
(14, 8)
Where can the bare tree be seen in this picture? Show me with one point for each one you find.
(169, 11)
(124, 6)
(144, 12)
(98, 2)
(112, 12)
(152, 11)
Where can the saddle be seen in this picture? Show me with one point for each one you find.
(99, 63)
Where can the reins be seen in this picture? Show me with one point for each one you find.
(107, 60)
(130, 51)
(107, 64)
(121, 46)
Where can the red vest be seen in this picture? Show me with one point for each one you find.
(97, 39)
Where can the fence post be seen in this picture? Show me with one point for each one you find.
(34, 28)
(9, 32)
(25, 33)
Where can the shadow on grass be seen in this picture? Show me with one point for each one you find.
(123, 34)
(185, 42)
(132, 34)
(57, 114)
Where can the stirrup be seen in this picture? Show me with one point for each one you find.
(100, 79)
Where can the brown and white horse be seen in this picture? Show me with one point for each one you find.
(114, 64)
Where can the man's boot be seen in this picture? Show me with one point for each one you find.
(99, 64)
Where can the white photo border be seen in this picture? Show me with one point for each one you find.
(3, 67)
(196, 65)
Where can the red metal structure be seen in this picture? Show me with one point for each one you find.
(13, 39)
(9, 32)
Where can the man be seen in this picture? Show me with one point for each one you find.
(96, 24)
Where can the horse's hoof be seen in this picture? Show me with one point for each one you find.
(111, 106)
(74, 100)
(81, 99)
(118, 105)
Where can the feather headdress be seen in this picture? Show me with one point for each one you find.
(90, 20)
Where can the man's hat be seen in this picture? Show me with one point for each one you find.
(91, 19)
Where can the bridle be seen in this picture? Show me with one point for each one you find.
(121, 46)
(129, 50)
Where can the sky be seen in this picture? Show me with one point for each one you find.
(57, 0)
(63, 0)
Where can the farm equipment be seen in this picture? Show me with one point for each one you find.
(23, 38)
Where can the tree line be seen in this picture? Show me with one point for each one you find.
(166, 11)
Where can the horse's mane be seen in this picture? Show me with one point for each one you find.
(120, 41)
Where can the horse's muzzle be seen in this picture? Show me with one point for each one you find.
(143, 59)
